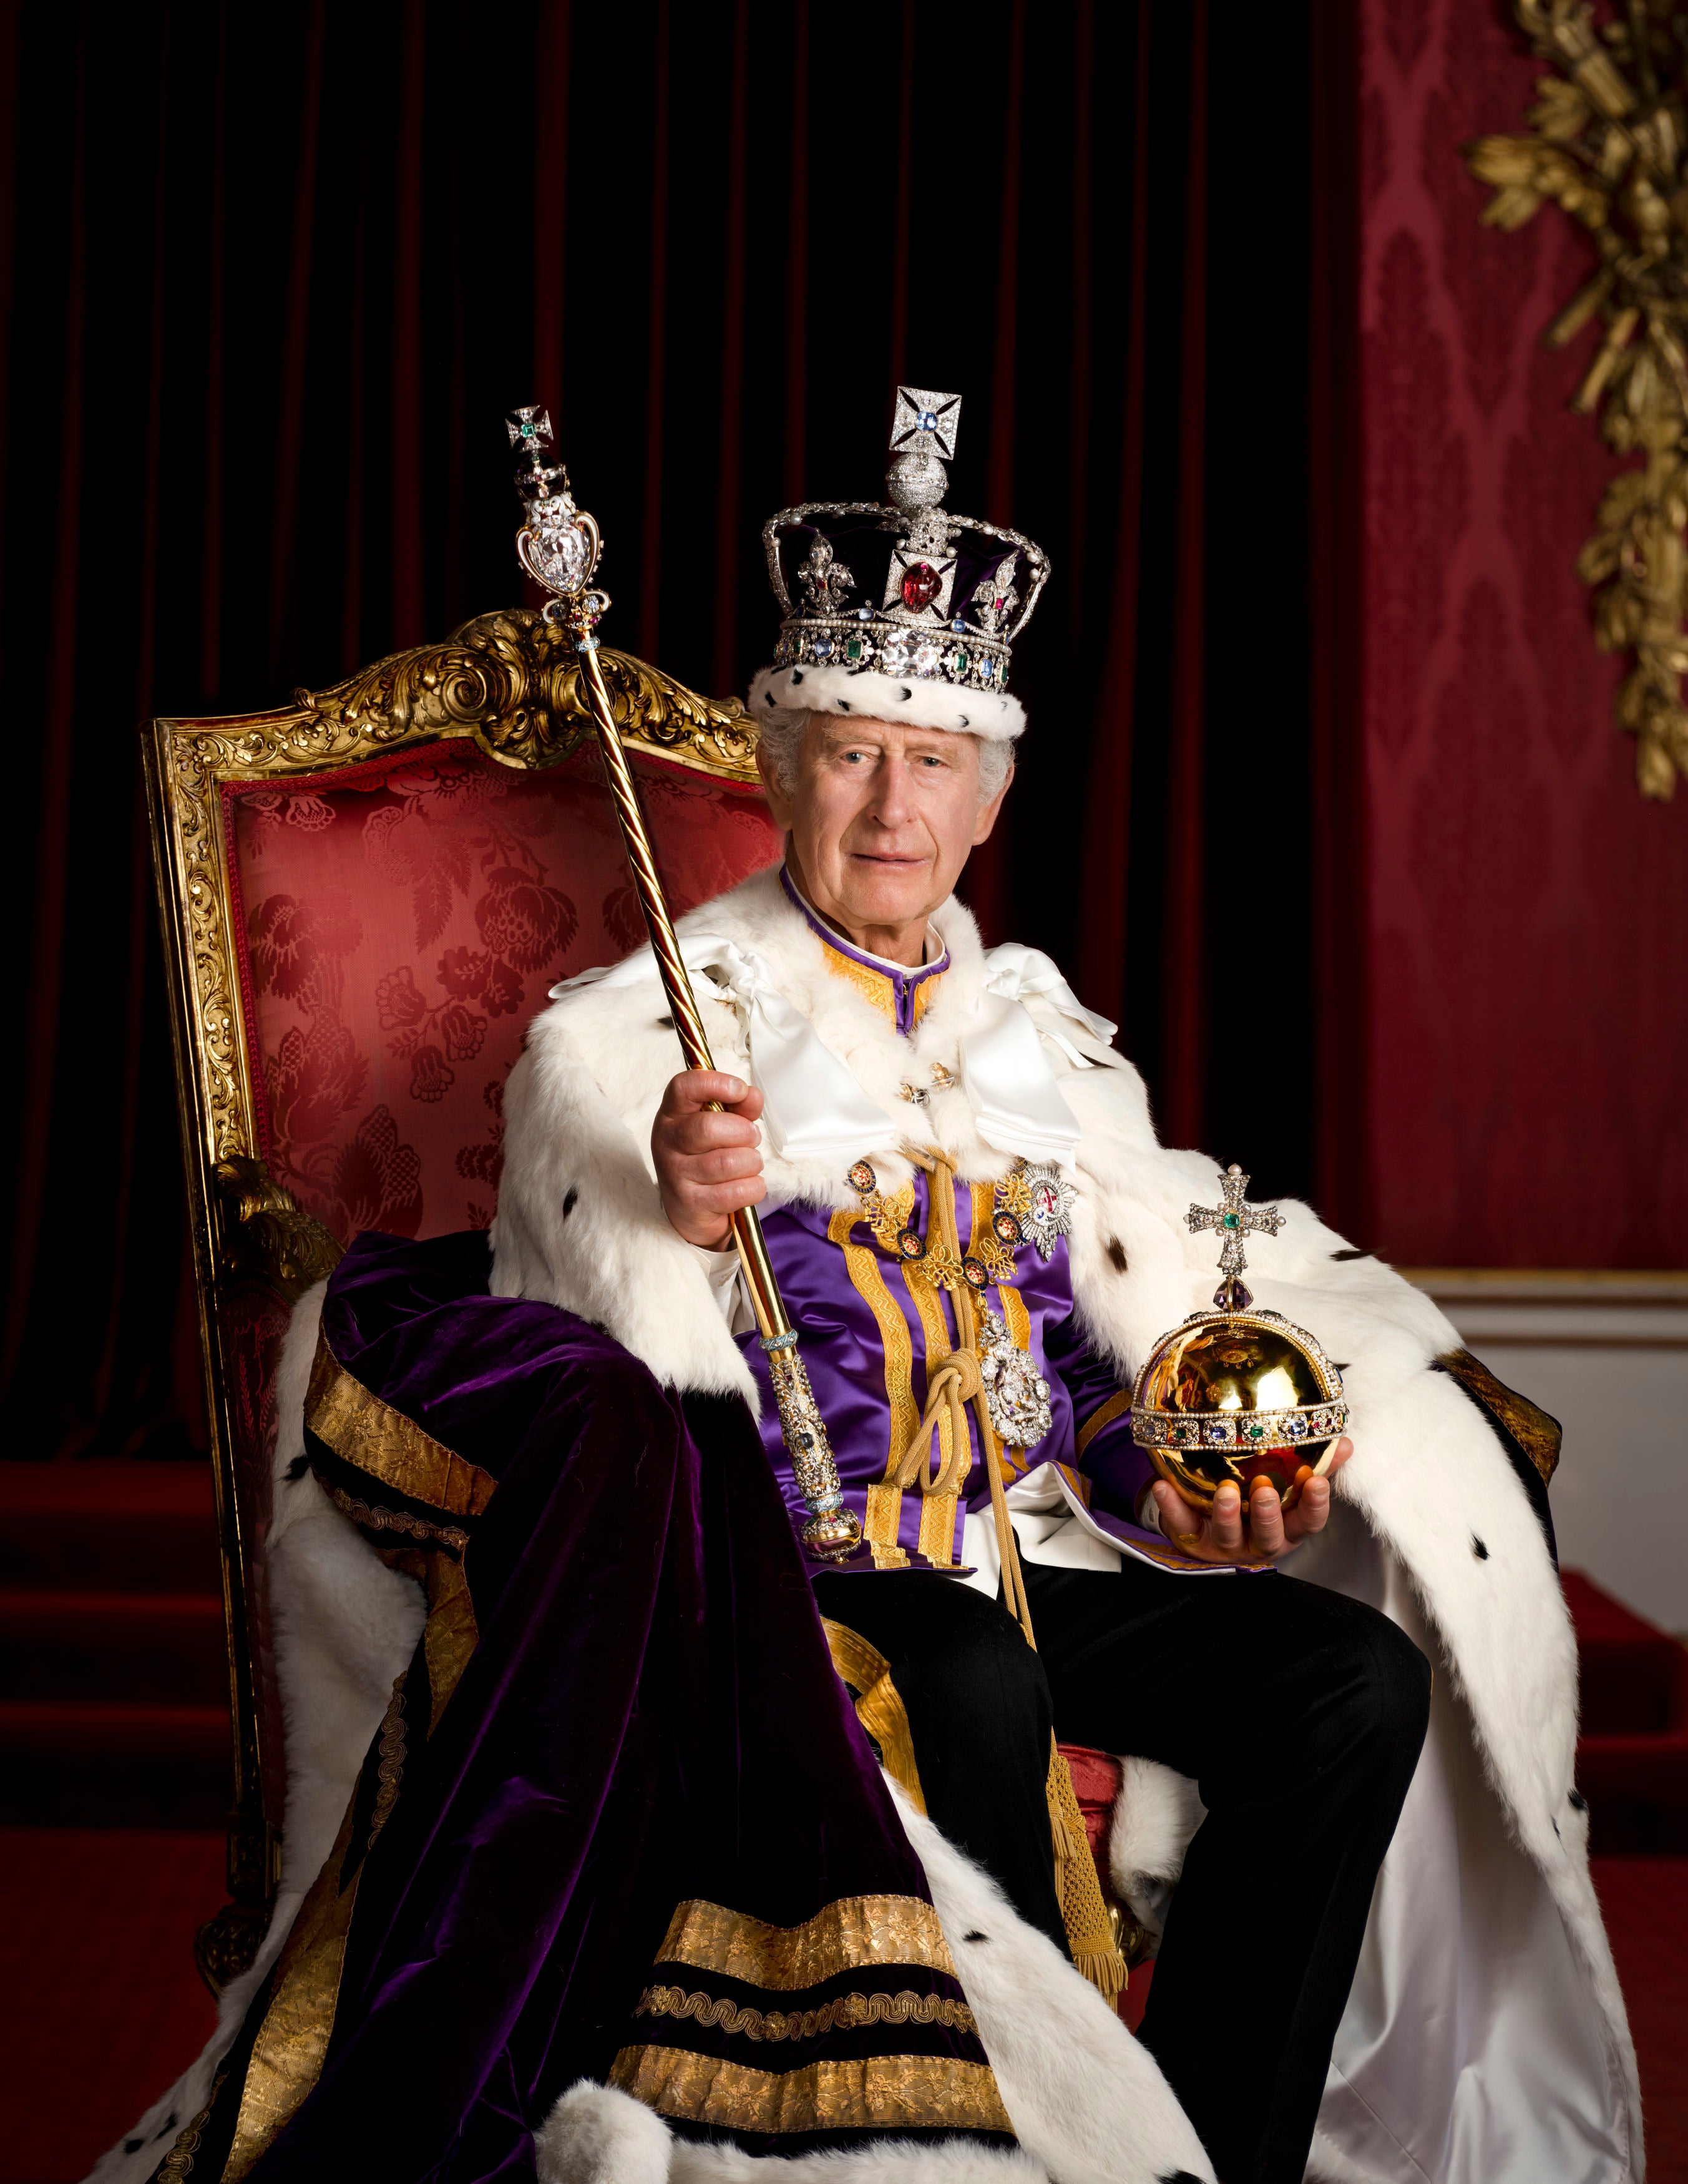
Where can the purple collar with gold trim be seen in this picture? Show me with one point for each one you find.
(898, 992)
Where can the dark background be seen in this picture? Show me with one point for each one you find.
(271, 279)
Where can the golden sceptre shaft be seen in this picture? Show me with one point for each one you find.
(559, 545)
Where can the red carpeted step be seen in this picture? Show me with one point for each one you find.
(107, 1527)
(87, 1764)
(1632, 1674)
(157, 1648)
(1632, 1756)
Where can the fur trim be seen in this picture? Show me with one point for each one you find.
(1153, 1817)
(920, 703)
(598, 2135)
(1086, 2098)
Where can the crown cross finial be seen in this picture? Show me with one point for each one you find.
(1233, 1220)
(925, 423)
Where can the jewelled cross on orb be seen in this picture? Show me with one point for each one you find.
(1234, 1221)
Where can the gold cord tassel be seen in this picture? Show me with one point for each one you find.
(1090, 1930)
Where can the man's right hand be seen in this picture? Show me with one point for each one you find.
(707, 1165)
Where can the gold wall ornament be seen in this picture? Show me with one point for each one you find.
(1608, 142)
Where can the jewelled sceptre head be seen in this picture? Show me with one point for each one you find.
(1240, 1392)
(559, 546)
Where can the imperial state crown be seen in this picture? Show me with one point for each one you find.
(904, 612)
(1238, 1393)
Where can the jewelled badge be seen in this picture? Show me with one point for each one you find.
(1016, 1394)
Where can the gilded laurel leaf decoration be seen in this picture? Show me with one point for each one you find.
(1607, 142)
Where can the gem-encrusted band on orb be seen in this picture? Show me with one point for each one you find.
(1248, 1430)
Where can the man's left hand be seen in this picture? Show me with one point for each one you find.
(1271, 1532)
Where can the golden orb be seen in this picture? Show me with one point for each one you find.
(1238, 1393)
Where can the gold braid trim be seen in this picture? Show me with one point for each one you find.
(846, 1935)
(851, 2009)
(885, 1499)
(1115, 1405)
(390, 1755)
(178, 2164)
(891, 2093)
(878, 1706)
(398, 1520)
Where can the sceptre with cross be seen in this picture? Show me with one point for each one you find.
(1233, 1220)
(558, 544)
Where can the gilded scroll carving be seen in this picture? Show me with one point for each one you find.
(506, 681)
(1607, 142)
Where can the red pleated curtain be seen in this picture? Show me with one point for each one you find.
(270, 285)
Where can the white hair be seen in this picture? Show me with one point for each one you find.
(783, 730)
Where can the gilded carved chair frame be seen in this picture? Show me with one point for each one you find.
(508, 682)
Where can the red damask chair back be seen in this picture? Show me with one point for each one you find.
(364, 900)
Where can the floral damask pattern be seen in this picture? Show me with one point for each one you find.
(1522, 905)
(403, 921)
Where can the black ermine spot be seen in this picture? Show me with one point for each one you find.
(1478, 1549)
(297, 1468)
(975, 1936)
(570, 1202)
(1116, 1253)
(1353, 1255)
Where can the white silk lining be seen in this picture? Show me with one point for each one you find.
(1471, 2048)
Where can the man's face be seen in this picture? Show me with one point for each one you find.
(882, 819)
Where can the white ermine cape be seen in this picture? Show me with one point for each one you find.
(1485, 2037)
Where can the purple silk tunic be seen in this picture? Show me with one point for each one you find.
(867, 1320)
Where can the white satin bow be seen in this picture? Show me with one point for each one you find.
(813, 1108)
(1005, 1071)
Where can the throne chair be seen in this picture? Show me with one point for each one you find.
(365, 897)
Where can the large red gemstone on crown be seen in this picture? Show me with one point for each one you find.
(921, 586)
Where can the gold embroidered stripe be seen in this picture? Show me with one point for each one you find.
(850, 2009)
(1536, 1433)
(884, 1503)
(362, 1430)
(292, 2042)
(1116, 1406)
(855, 1931)
(891, 2093)
(879, 1705)
(874, 986)
(937, 1540)
(1076, 1480)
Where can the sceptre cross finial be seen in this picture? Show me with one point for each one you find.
(1234, 1221)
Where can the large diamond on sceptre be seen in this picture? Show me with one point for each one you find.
(1238, 1393)
(559, 545)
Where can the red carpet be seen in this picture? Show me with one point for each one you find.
(100, 2005)
(112, 1712)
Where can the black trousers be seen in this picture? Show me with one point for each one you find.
(1298, 1711)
